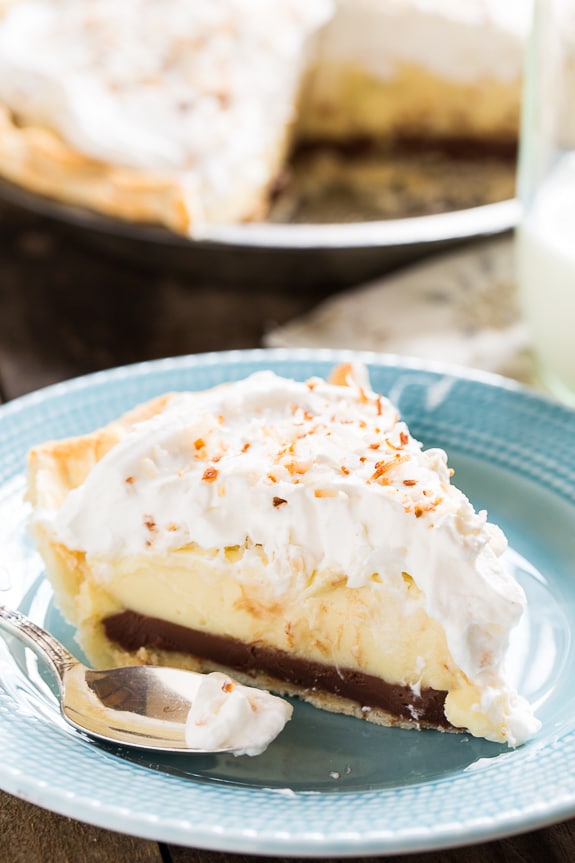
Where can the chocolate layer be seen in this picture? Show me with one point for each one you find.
(131, 631)
(451, 146)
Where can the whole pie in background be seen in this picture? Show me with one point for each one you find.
(187, 113)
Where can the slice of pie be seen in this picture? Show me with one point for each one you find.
(294, 535)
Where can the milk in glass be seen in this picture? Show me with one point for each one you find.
(546, 189)
(546, 275)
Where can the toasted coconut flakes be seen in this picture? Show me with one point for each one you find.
(152, 527)
(298, 467)
(383, 467)
(341, 375)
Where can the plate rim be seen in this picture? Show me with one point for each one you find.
(282, 354)
(112, 817)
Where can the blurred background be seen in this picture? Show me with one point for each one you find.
(389, 142)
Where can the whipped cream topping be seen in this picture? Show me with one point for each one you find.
(462, 40)
(225, 713)
(191, 86)
(315, 476)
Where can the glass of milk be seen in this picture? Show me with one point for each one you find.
(546, 188)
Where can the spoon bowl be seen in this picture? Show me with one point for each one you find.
(145, 706)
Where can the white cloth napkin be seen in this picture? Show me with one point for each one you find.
(460, 307)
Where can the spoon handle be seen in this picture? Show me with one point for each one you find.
(38, 639)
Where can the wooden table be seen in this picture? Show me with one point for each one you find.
(66, 309)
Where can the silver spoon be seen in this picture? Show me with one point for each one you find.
(141, 706)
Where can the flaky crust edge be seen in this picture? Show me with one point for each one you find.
(38, 160)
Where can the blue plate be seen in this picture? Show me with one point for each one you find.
(329, 785)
